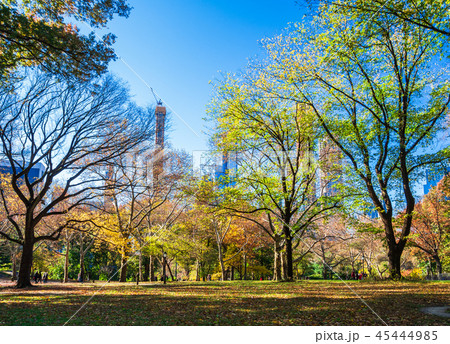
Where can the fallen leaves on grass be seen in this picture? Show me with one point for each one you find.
(228, 303)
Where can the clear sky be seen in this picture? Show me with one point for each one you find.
(179, 46)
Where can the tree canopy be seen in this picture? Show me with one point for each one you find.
(37, 33)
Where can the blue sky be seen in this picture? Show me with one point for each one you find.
(179, 46)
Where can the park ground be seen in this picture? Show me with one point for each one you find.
(321, 303)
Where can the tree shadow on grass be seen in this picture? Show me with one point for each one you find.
(200, 305)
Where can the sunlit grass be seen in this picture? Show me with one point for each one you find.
(228, 303)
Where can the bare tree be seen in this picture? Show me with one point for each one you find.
(61, 129)
(141, 200)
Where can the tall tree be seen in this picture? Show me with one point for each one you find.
(376, 91)
(62, 130)
(140, 204)
(214, 219)
(274, 140)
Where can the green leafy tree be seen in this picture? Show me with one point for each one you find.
(275, 140)
(429, 14)
(37, 33)
(379, 92)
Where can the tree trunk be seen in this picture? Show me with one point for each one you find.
(369, 268)
(222, 264)
(324, 263)
(283, 265)
(438, 266)
(197, 270)
(394, 256)
(152, 269)
(277, 260)
(170, 271)
(245, 266)
(14, 266)
(164, 270)
(146, 269)
(140, 267)
(123, 268)
(232, 274)
(288, 254)
(26, 263)
(81, 274)
(187, 271)
(66, 264)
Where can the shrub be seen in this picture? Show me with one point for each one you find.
(216, 277)
(56, 271)
(414, 274)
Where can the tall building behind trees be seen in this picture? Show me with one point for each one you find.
(158, 160)
(331, 168)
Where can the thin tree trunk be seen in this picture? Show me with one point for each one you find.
(14, 267)
(170, 271)
(284, 268)
(81, 274)
(66, 263)
(197, 270)
(146, 269)
(245, 266)
(140, 267)
(164, 263)
(222, 269)
(152, 269)
(123, 268)
(222, 265)
(277, 260)
(324, 263)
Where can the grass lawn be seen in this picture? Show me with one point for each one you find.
(226, 303)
